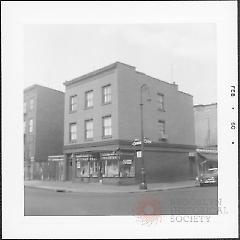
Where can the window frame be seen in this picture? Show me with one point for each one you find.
(161, 104)
(72, 104)
(103, 95)
(30, 126)
(71, 140)
(103, 128)
(164, 127)
(86, 93)
(85, 129)
(31, 104)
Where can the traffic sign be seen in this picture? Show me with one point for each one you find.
(138, 142)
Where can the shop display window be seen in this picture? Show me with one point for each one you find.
(127, 169)
(82, 169)
(94, 168)
(111, 168)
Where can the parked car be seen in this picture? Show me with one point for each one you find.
(209, 177)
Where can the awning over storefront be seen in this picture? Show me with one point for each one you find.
(209, 156)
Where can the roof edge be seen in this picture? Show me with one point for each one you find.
(40, 86)
(204, 105)
(90, 74)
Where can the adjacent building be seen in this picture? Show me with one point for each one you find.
(43, 128)
(206, 135)
(102, 119)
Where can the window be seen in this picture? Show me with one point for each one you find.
(89, 99)
(161, 128)
(30, 125)
(31, 104)
(107, 126)
(73, 132)
(25, 107)
(73, 103)
(107, 94)
(160, 100)
(89, 129)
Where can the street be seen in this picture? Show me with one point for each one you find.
(195, 200)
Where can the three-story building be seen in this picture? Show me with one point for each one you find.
(102, 120)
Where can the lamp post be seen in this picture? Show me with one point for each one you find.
(143, 184)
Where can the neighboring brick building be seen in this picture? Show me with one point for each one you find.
(102, 118)
(206, 135)
(43, 127)
(206, 125)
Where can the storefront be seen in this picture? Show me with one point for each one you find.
(207, 158)
(100, 166)
(119, 162)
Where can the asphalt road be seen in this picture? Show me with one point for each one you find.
(196, 200)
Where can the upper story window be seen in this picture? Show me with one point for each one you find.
(106, 92)
(31, 125)
(73, 132)
(162, 129)
(107, 126)
(89, 99)
(24, 107)
(73, 103)
(89, 129)
(160, 100)
(31, 104)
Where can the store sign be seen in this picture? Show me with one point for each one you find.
(127, 161)
(109, 156)
(56, 158)
(85, 157)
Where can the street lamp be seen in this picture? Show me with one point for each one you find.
(143, 184)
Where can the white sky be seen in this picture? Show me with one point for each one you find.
(56, 53)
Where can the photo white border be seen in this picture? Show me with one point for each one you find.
(14, 16)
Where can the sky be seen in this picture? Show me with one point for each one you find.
(184, 53)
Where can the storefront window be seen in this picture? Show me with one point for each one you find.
(111, 168)
(110, 165)
(82, 168)
(127, 167)
(86, 166)
(94, 168)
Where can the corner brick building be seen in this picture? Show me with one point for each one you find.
(102, 119)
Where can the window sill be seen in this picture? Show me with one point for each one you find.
(70, 112)
(86, 108)
(106, 137)
(88, 139)
(162, 140)
(107, 103)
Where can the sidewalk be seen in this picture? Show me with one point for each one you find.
(69, 186)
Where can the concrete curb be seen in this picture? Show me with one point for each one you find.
(66, 190)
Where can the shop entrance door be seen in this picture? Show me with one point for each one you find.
(94, 169)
